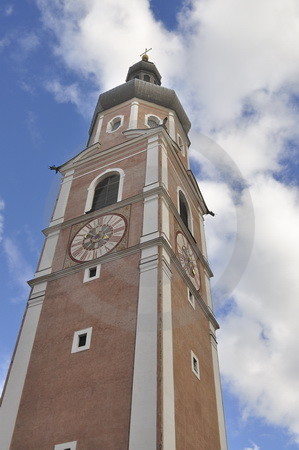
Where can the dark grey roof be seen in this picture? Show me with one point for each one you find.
(143, 67)
(144, 91)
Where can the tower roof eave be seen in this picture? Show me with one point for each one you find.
(145, 91)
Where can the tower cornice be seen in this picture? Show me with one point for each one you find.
(160, 241)
(133, 140)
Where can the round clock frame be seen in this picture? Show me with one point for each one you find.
(98, 237)
(188, 259)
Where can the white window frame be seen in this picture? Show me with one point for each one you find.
(71, 445)
(148, 116)
(196, 373)
(192, 299)
(190, 218)
(111, 123)
(87, 276)
(96, 180)
(75, 345)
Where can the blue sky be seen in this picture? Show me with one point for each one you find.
(233, 64)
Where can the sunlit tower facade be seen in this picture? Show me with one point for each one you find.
(117, 349)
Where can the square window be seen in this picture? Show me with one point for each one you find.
(92, 273)
(66, 446)
(191, 298)
(81, 340)
(195, 365)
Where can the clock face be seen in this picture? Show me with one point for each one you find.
(188, 259)
(98, 237)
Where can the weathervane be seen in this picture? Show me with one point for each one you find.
(144, 54)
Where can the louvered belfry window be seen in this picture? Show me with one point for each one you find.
(106, 192)
(183, 209)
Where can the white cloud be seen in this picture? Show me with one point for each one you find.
(26, 87)
(237, 48)
(261, 362)
(31, 120)
(64, 93)
(95, 39)
(235, 69)
(8, 10)
(4, 42)
(19, 268)
(72, 93)
(29, 42)
(254, 447)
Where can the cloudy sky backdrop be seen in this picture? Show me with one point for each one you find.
(235, 67)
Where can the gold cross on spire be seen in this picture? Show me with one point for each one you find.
(144, 55)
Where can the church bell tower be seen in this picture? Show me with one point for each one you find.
(117, 348)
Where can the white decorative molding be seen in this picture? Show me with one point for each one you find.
(167, 357)
(16, 379)
(143, 424)
(38, 289)
(218, 390)
(171, 125)
(96, 130)
(62, 198)
(66, 446)
(41, 273)
(96, 180)
(164, 168)
(208, 290)
(150, 228)
(152, 163)
(181, 144)
(45, 264)
(165, 220)
(202, 236)
(133, 122)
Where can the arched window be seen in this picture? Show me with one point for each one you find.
(152, 121)
(105, 189)
(184, 209)
(106, 192)
(146, 78)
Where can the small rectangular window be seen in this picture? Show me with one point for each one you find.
(195, 365)
(191, 298)
(92, 273)
(81, 340)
